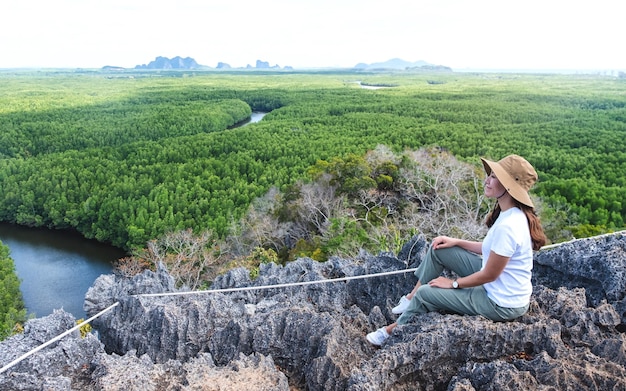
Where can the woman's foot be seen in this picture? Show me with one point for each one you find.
(377, 337)
(403, 304)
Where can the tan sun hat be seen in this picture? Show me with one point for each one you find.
(516, 175)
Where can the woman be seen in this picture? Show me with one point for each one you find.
(495, 274)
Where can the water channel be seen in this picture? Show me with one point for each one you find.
(56, 268)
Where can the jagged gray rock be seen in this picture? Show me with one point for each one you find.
(61, 365)
(312, 337)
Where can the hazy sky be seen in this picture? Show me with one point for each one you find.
(494, 34)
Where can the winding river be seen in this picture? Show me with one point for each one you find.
(56, 268)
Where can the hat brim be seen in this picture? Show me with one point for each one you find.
(511, 186)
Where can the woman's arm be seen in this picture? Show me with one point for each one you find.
(445, 242)
(494, 267)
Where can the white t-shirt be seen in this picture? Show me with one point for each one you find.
(509, 236)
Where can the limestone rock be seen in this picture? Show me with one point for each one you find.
(312, 336)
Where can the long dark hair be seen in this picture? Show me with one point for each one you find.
(537, 235)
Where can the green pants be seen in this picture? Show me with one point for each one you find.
(468, 301)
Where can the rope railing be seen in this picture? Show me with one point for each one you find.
(549, 246)
(286, 285)
(248, 288)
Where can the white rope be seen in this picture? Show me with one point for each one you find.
(53, 340)
(251, 288)
(578, 239)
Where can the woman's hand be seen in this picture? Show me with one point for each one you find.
(444, 242)
(441, 282)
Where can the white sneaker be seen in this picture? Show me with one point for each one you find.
(402, 305)
(377, 337)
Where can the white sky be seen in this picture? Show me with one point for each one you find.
(477, 34)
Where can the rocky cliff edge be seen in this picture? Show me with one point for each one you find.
(311, 337)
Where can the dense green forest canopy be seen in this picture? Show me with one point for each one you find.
(125, 157)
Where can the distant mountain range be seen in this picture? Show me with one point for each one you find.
(174, 63)
(188, 63)
(397, 63)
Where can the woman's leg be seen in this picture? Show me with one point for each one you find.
(466, 301)
(415, 288)
(456, 259)
(469, 301)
